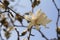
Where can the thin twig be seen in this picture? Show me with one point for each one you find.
(31, 27)
(43, 35)
(3, 11)
(55, 4)
(22, 26)
(57, 17)
(12, 10)
(18, 38)
(29, 33)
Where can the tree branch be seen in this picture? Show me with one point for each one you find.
(43, 35)
(9, 8)
(57, 17)
(29, 33)
(17, 34)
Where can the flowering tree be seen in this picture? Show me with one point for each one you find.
(8, 18)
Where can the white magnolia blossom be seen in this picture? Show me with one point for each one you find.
(35, 20)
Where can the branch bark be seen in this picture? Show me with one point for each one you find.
(43, 35)
(29, 33)
(58, 16)
(18, 38)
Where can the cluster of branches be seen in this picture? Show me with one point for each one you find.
(18, 17)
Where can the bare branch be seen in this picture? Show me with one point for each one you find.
(43, 35)
(18, 38)
(29, 33)
(57, 17)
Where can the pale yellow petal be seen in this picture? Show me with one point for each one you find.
(30, 13)
(37, 27)
(38, 13)
(2, 6)
(46, 21)
(30, 25)
(27, 17)
(33, 17)
(41, 18)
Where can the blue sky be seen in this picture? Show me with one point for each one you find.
(47, 7)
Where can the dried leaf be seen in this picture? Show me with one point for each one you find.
(58, 31)
(6, 3)
(35, 3)
(19, 18)
(7, 34)
(2, 16)
(2, 6)
(4, 22)
(10, 28)
(23, 33)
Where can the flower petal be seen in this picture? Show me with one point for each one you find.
(46, 21)
(41, 18)
(38, 13)
(27, 17)
(37, 27)
(30, 25)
